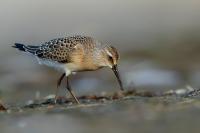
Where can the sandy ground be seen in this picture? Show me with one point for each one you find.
(116, 113)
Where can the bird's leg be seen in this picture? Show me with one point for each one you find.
(71, 92)
(58, 84)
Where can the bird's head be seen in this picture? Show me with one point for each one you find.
(110, 59)
(111, 56)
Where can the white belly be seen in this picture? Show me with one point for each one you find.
(66, 68)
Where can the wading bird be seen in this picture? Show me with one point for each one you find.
(74, 54)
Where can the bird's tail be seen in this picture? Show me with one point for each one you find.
(26, 48)
(20, 47)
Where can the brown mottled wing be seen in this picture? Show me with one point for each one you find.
(59, 50)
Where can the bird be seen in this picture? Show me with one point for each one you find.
(73, 54)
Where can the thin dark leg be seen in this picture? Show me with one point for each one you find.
(71, 92)
(58, 84)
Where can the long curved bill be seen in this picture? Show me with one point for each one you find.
(115, 70)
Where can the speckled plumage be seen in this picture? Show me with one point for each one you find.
(59, 49)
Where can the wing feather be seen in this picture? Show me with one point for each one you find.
(60, 49)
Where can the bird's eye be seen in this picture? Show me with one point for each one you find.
(110, 58)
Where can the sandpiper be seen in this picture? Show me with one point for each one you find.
(74, 54)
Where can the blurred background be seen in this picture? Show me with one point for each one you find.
(159, 43)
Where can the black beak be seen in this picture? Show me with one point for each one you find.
(115, 70)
